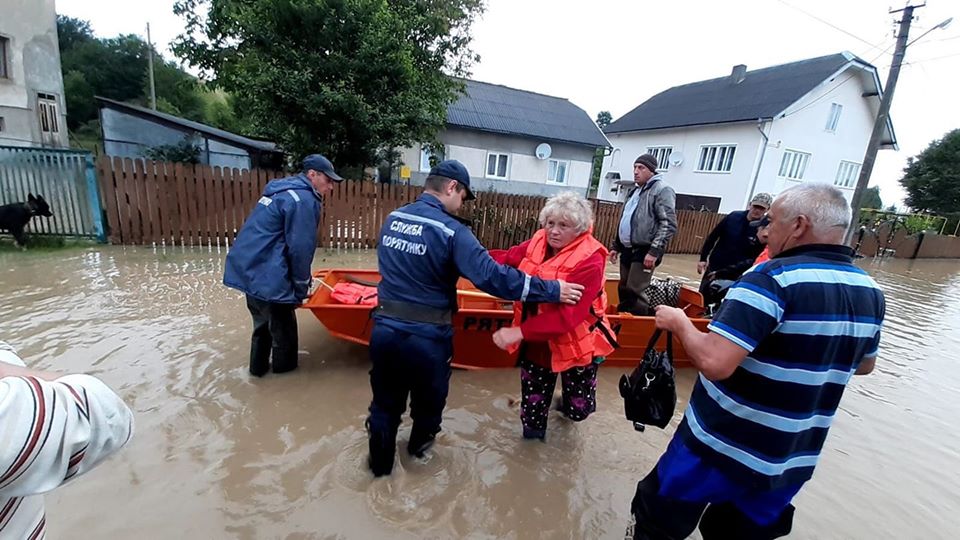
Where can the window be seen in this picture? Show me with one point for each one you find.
(429, 158)
(47, 109)
(4, 66)
(662, 153)
(3, 125)
(793, 164)
(716, 158)
(497, 165)
(847, 174)
(834, 118)
(557, 171)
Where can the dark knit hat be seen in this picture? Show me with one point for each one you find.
(648, 161)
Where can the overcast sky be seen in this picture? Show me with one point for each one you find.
(614, 54)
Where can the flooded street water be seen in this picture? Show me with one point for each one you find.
(218, 454)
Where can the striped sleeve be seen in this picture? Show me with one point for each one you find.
(54, 431)
(751, 311)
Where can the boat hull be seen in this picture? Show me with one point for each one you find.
(480, 315)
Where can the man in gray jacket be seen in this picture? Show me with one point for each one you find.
(648, 222)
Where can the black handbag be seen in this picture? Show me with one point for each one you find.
(650, 393)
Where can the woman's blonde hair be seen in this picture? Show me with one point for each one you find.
(571, 206)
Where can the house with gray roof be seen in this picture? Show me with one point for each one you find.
(720, 141)
(129, 130)
(514, 141)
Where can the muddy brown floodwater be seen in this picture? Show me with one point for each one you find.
(220, 455)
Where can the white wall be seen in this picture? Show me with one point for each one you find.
(804, 129)
(34, 66)
(730, 187)
(526, 174)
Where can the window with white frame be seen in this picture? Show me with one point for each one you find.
(4, 55)
(662, 153)
(834, 118)
(428, 158)
(47, 109)
(793, 164)
(847, 174)
(497, 165)
(716, 158)
(557, 171)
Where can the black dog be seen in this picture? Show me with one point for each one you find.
(14, 217)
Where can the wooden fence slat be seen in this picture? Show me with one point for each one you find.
(105, 174)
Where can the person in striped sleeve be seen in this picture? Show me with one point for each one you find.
(773, 366)
(55, 427)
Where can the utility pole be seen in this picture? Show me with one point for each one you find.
(882, 117)
(153, 86)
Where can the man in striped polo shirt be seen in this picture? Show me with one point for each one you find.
(773, 367)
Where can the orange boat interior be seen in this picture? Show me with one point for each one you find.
(480, 314)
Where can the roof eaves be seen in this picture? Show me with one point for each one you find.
(184, 124)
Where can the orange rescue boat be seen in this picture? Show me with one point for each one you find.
(479, 315)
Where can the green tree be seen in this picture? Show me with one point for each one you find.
(932, 179)
(349, 78)
(604, 118)
(871, 198)
(79, 93)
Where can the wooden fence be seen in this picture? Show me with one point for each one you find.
(149, 202)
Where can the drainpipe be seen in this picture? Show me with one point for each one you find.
(763, 151)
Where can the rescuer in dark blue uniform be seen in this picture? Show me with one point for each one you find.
(423, 251)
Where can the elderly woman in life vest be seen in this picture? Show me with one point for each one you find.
(555, 339)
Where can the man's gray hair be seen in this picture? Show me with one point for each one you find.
(569, 206)
(823, 204)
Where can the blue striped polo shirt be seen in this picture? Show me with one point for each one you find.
(808, 317)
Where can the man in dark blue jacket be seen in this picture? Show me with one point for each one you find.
(270, 261)
(734, 239)
(423, 251)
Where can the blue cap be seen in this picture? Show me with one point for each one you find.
(319, 163)
(454, 170)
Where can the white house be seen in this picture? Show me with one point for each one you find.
(514, 141)
(32, 107)
(722, 140)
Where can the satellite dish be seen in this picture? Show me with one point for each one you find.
(676, 159)
(543, 151)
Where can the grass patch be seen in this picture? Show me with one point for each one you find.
(45, 243)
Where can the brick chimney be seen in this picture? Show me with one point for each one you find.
(738, 74)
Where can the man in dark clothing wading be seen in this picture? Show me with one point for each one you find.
(423, 251)
(270, 261)
(733, 240)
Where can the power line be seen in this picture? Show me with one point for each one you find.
(830, 24)
(914, 62)
(837, 87)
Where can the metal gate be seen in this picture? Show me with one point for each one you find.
(67, 181)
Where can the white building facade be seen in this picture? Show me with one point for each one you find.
(819, 137)
(32, 106)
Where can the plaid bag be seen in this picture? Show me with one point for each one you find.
(662, 292)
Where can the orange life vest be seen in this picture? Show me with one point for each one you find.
(591, 338)
(354, 294)
(763, 257)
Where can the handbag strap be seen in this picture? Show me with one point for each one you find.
(653, 343)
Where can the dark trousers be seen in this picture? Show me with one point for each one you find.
(405, 365)
(537, 384)
(634, 280)
(663, 518)
(274, 330)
